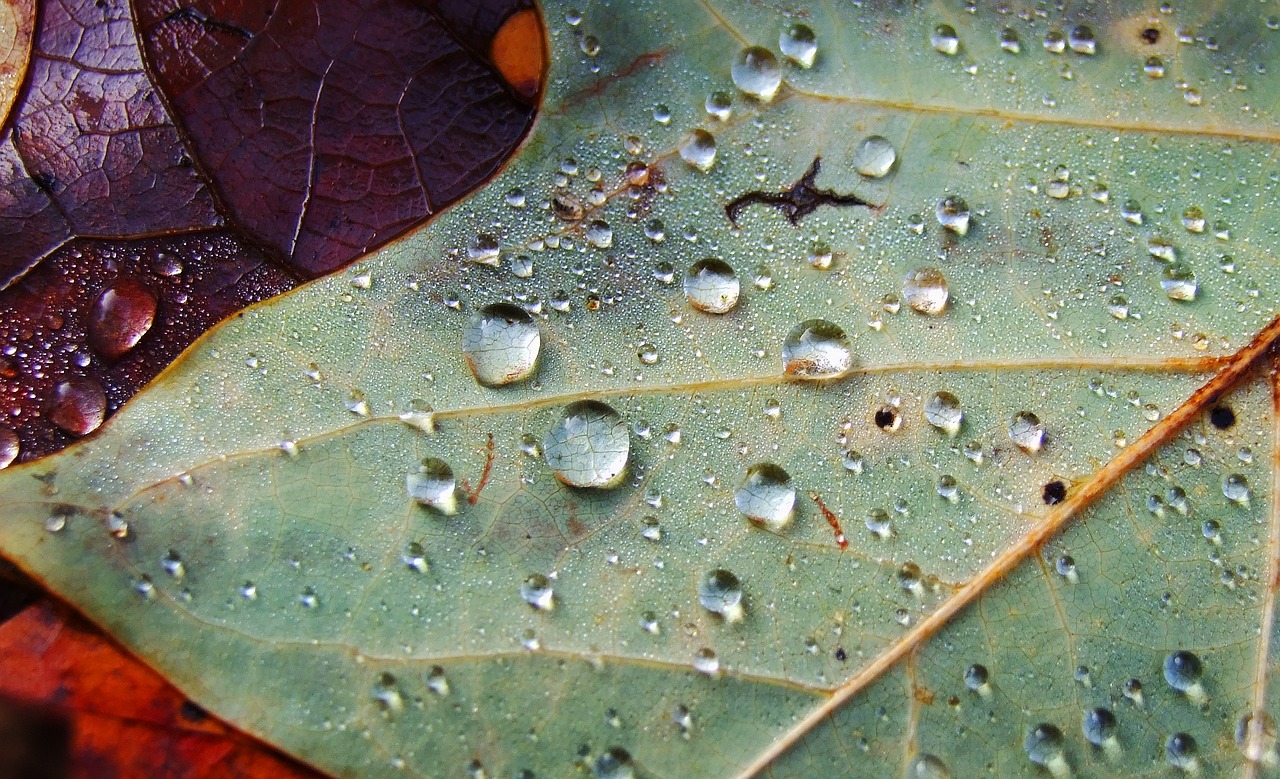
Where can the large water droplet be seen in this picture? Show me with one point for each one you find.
(816, 349)
(1027, 432)
(537, 592)
(599, 234)
(942, 410)
(1045, 747)
(756, 73)
(766, 496)
(924, 766)
(925, 290)
(1099, 727)
(712, 286)
(9, 446)
(699, 149)
(1180, 750)
(484, 250)
(798, 44)
(953, 214)
(1183, 670)
(721, 593)
(614, 763)
(501, 344)
(945, 40)
(1235, 488)
(1179, 282)
(78, 406)
(874, 157)
(588, 446)
(432, 485)
(120, 318)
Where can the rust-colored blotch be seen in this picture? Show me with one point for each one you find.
(519, 52)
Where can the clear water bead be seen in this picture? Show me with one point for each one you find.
(816, 349)
(766, 496)
(1026, 431)
(874, 157)
(711, 285)
(721, 593)
(756, 72)
(953, 214)
(588, 446)
(799, 44)
(926, 291)
(699, 149)
(501, 344)
(432, 485)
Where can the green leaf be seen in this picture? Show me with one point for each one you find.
(245, 524)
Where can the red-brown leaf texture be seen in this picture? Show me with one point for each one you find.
(168, 163)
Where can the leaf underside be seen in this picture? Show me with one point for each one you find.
(272, 458)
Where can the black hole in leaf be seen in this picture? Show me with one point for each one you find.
(1054, 492)
(1222, 417)
(887, 418)
(1150, 36)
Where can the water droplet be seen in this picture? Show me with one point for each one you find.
(122, 315)
(436, 681)
(588, 446)
(415, 557)
(699, 149)
(172, 564)
(9, 446)
(1118, 306)
(501, 343)
(712, 286)
(484, 250)
(925, 290)
(1256, 737)
(515, 198)
(851, 460)
(1066, 568)
(1082, 40)
(874, 157)
(1153, 67)
(1179, 282)
(599, 234)
(1131, 211)
(721, 593)
(816, 349)
(308, 599)
(537, 592)
(888, 418)
(1182, 670)
(820, 256)
(766, 496)
(386, 694)
(719, 105)
(948, 488)
(1180, 750)
(432, 485)
(945, 40)
(1045, 747)
(1055, 42)
(78, 406)
(880, 523)
(1026, 431)
(1235, 487)
(1009, 40)
(649, 623)
(1100, 727)
(1193, 219)
(614, 763)
(953, 214)
(973, 451)
(705, 661)
(798, 44)
(942, 410)
(756, 73)
(924, 766)
(978, 679)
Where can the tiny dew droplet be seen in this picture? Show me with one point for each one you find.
(1045, 747)
(925, 290)
(536, 590)
(756, 73)
(953, 214)
(1026, 431)
(945, 40)
(699, 149)
(712, 286)
(588, 446)
(432, 485)
(798, 44)
(874, 157)
(816, 349)
(766, 496)
(501, 344)
(721, 593)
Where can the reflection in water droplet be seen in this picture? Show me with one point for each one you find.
(798, 44)
(756, 72)
(614, 763)
(1026, 431)
(588, 446)
(721, 593)
(436, 681)
(924, 766)
(1153, 67)
(78, 406)
(1179, 282)
(874, 157)
(766, 496)
(942, 410)
(1045, 747)
(712, 286)
(945, 40)
(925, 290)
(1055, 42)
(537, 592)
(432, 485)
(953, 214)
(9, 446)
(699, 149)
(120, 318)
(816, 349)
(501, 344)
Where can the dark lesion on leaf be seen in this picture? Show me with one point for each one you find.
(799, 200)
(190, 14)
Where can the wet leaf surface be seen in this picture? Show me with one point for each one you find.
(977, 481)
(212, 156)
